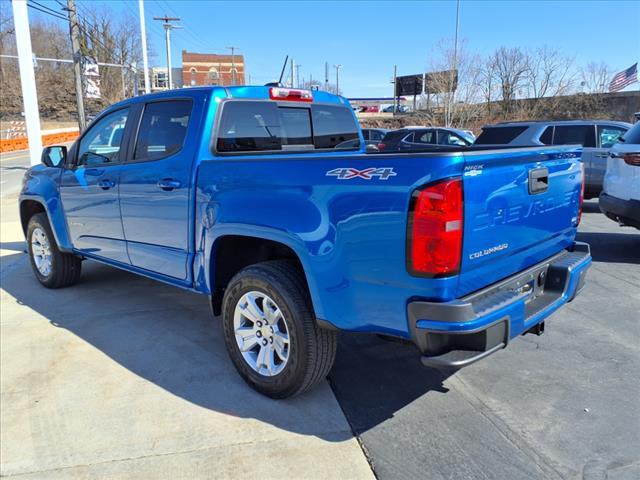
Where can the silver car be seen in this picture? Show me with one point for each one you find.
(596, 137)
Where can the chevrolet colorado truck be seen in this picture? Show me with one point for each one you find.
(265, 199)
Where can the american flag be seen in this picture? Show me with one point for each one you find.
(624, 78)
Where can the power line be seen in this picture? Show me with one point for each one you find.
(53, 12)
(60, 17)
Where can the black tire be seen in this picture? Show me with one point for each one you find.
(312, 350)
(65, 267)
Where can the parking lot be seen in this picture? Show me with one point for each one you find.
(121, 376)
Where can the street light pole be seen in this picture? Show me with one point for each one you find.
(143, 37)
(233, 64)
(27, 79)
(338, 67)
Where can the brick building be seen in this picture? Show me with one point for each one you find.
(211, 69)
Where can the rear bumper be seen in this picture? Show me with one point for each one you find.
(626, 212)
(457, 333)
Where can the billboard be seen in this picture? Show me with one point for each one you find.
(434, 82)
(441, 82)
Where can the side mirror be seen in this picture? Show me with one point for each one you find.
(54, 156)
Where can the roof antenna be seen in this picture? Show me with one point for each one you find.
(279, 82)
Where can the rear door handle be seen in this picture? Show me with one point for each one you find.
(106, 184)
(168, 184)
(602, 155)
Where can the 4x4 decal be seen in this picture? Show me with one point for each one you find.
(347, 173)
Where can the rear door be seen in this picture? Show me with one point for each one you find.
(156, 186)
(520, 207)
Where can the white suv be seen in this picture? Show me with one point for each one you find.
(620, 199)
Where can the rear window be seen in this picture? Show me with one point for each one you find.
(249, 126)
(580, 134)
(633, 135)
(499, 135)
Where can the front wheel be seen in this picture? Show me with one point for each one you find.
(270, 331)
(52, 268)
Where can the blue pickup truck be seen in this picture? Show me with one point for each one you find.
(265, 199)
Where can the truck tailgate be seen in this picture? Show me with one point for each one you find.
(521, 206)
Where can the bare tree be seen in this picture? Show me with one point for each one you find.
(510, 66)
(458, 96)
(549, 74)
(595, 77)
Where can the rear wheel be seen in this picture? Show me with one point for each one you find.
(52, 268)
(271, 333)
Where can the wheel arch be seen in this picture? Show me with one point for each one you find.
(232, 252)
(30, 206)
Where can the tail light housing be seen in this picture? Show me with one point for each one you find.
(582, 182)
(381, 146)
(434, 240)
(632, 159)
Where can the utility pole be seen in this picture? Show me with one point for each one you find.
(326, 76)
(143, 37)
(74, 31)
(338, 67)
(27, 79)
(167, 31)
(298, 75)
(293, 68)
(395, 88)
(233, 64)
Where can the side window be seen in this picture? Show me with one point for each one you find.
(162, 129)
(547, 136)
(376, 135)
(448, 138)
(608, 135)
(367, 134)
(426, 137)
(409, 138)
(574, 134)
(101, 144)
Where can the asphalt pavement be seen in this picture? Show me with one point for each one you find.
(564, 405)
(12, 168)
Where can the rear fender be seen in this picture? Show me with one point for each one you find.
(204, 267)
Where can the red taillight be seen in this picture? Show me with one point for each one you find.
(632, 159)
(381, 146)
(290, 94)
(435, 229)
(582, 182)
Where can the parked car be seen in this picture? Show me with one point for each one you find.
(373, 136)
(596, 136)
(241, 194)
(620, 198)
(419, 138)
(399, 109)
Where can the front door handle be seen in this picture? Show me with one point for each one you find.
(602, 155)
(168, 184)
(106, 184)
